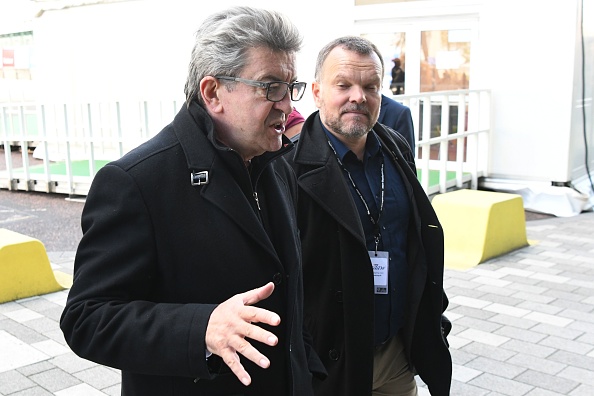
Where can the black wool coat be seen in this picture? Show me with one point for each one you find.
(158, 254)
(338, 278)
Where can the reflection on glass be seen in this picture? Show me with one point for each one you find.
(445, 60)
(392, 47)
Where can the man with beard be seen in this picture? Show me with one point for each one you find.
(372, 243)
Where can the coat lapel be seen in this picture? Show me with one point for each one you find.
(192, 127)
(314, 153)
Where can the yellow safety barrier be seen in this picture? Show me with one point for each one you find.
(25, 269)
(479, 225)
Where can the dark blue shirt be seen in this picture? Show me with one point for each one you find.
(393, 222)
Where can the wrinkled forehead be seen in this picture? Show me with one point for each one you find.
(267, 64)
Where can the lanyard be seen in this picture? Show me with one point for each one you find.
(375, 222)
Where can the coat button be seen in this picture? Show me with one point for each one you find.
(277, 278)
(333, 354)
(338, 296)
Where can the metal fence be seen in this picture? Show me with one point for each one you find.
(58, 148)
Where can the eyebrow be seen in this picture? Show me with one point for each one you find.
(270, 77)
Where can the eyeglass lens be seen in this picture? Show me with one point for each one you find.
(278, 90)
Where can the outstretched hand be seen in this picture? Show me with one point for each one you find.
(232, 322)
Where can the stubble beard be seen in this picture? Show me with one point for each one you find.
(355, 128)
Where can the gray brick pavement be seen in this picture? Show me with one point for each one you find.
(523, 325)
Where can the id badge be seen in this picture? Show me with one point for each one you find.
(379, 262)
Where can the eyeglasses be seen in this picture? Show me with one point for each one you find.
(275, 90)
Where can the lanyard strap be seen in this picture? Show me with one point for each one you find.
(377, 234)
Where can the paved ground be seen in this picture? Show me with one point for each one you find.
(523, 322)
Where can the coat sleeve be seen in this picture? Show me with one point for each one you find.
(111, 316)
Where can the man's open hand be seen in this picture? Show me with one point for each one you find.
(233, 321)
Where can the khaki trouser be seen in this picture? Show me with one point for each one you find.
(391, 376)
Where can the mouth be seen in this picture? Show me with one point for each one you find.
(279, 127)
(356, 112)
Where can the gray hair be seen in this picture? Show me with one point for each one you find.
(224, 38)
(356, 44)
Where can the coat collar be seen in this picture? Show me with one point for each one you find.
(317, 169)
(229, 186)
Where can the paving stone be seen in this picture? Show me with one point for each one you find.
(55, 379)
(116, 390)
(562, 332)
(462, 389)
(483, 337)
(463, 373)
(80, 390)
(99, 377)
(573, 359)
(469, 302)
(495, 291)
(473, 312)
(41, 325)
(461, 357)
(583, 390)
(528, 288)
(50, 348)
(573, 373)
(519, 334)
(542, 392)
(36, 368)
(485, 280)
(501, 385)
(520, 323)
(23, 315)
(567, 345)
(545, 366)
(21, 331)
(548, 319)
(477, 324)
(492, 352)
(13, 381)
(529, 348)
(71, 363)
(14, 353)
(507, 309)
(576, 315)
(35, 391)
(39, 304)
(502, 369)
(552, 383)
(9, 307)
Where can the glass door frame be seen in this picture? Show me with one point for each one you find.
(412, 28)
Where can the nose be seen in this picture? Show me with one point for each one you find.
(285, 104)
(357, 94)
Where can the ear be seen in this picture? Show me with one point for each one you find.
(209, 89)
(315, 91)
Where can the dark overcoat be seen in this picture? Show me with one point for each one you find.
(159, 253)
(338, 278)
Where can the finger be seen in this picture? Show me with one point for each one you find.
(259, 315)
(253, 296)
(257, 333)
(246, 349)
(231, 359)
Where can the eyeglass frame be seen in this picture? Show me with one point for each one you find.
(266, 85)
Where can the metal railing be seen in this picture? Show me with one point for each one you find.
(58, 148)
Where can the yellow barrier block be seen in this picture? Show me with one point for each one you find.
(25, 269)
(479, 225)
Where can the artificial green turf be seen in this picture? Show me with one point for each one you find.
(79, 168)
